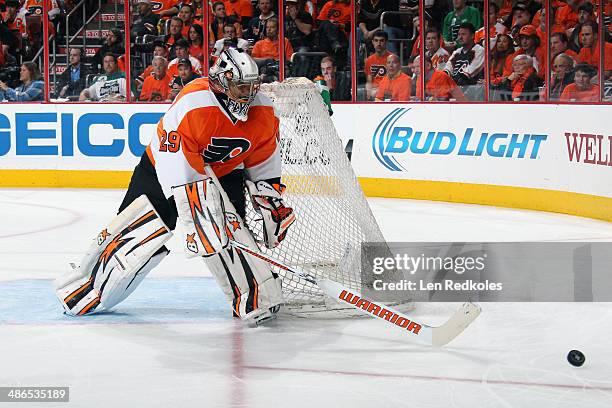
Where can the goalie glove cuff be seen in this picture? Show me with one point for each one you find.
(277, 217)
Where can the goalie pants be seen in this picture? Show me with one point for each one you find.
(144, 181)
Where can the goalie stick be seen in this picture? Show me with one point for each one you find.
(430, 335)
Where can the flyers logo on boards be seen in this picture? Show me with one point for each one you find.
(391, 143)
(222, 149)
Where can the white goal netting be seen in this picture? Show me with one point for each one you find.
(333, 216)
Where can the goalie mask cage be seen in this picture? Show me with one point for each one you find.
(333, 217)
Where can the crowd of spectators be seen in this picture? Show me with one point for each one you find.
(315, 44)
(525, 49)
(530, 56)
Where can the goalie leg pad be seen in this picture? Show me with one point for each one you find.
(120, 286)
(248, 282)
(117, 260)
(200, 208)
(250, 285)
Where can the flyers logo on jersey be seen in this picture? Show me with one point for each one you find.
(378, 71)
(102, 236)
(232, 219)
(334, 14)
(192, 245)
(157, 6)
(223, 149)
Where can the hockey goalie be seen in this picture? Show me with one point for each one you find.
(218, 138)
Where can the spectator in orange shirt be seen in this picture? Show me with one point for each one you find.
(160, 50)
(268, 48)
(582, 90)
(376, 64)
(242, 10)
(156, 87)
(196, 42)
(523, 83)
(396, 86)
(589, 53)
(174, 35)
(566, 16)
(439, 86)
(198, 8)
(559, 44)
(186, 15)
(529, 44)
(504, 48)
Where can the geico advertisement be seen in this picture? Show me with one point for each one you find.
(567, 148)
(92, 136)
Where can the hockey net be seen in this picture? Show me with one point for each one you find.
(333, 216)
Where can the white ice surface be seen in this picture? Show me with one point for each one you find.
(170, 348)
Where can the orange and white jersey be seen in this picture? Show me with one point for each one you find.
(196, 66)
(197, 131)
(163, 5)
(36, 7)
(18, 24)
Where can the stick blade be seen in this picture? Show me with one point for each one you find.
(463, 317)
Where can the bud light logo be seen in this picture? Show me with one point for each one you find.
(392, 143)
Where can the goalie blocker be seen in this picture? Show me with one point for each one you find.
(211, 212)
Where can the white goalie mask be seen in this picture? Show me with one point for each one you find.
(236, 75)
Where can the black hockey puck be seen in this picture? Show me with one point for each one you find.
(575, 358)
